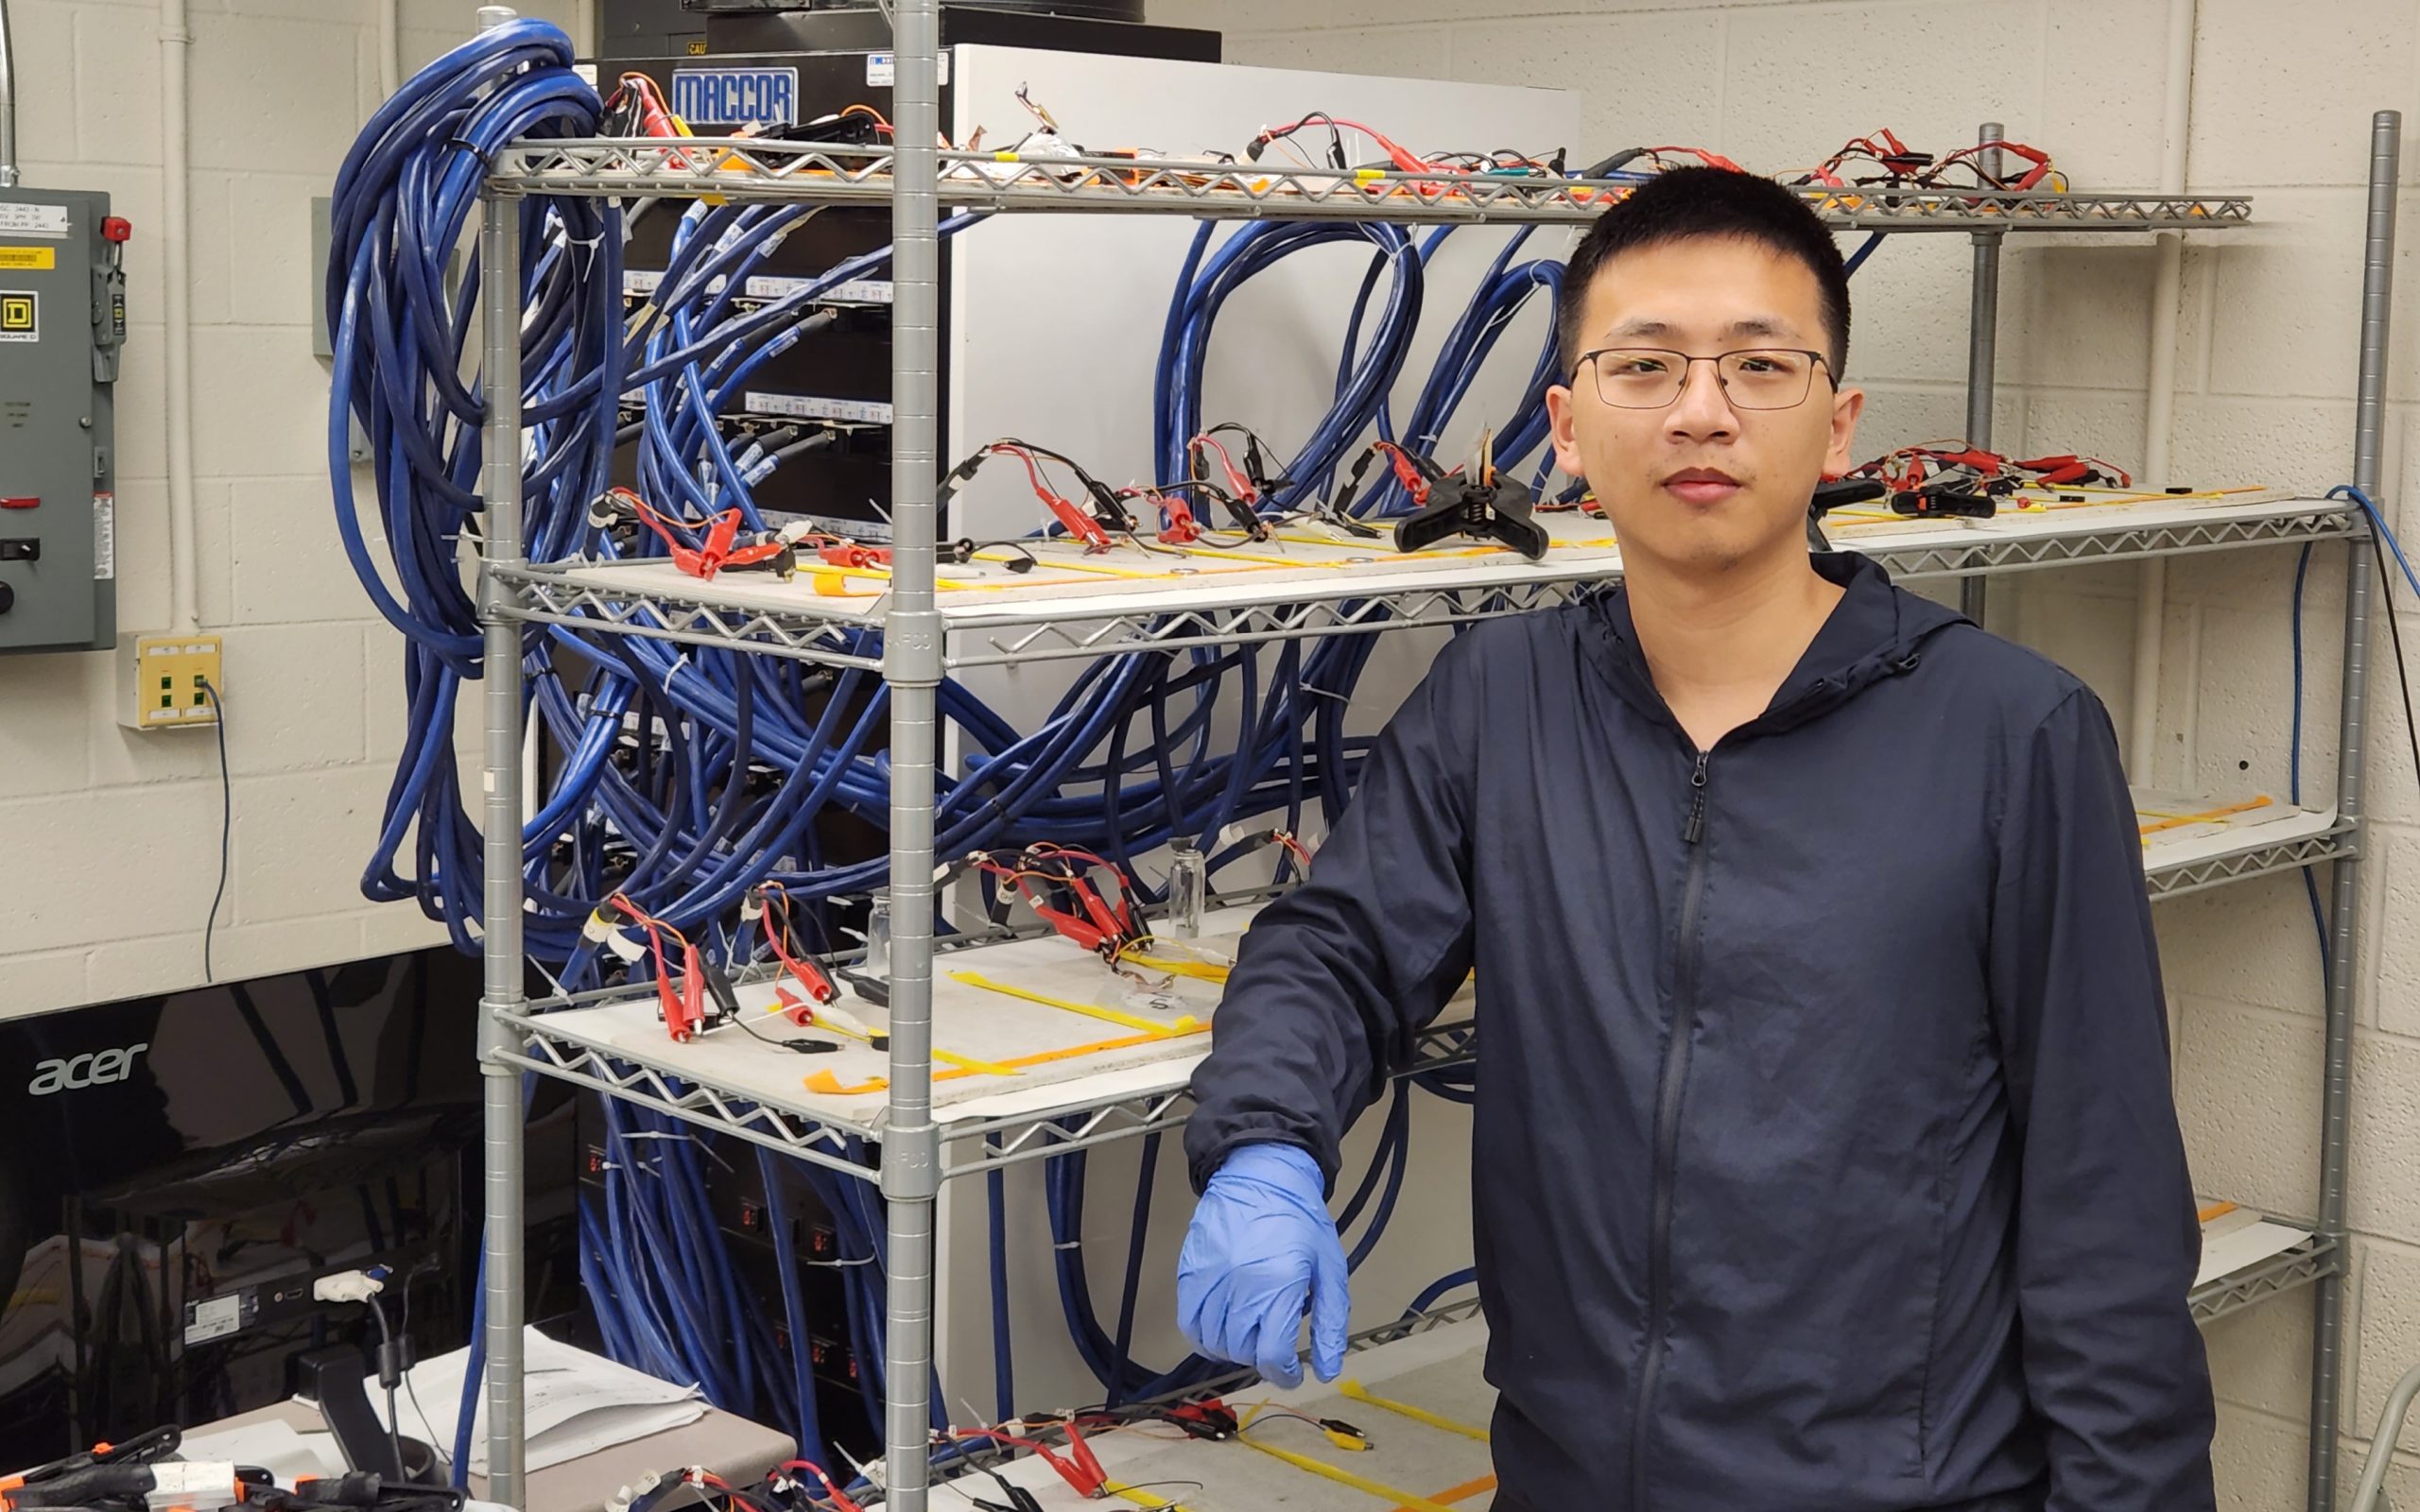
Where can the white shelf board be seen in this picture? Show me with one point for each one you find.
(968, 1021)
(2274, 823)
(1060, 590)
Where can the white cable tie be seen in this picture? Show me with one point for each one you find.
(839, 1265)
(674, 670)
(1070, 1244)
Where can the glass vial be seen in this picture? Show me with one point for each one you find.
(1188, 888)
(877, 961)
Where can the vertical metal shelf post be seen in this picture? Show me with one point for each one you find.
(2343, 913)
(500, 307)
(1983, 343)
(912, 652)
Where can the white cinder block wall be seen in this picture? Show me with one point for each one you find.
(114, 836)
(2267, 374)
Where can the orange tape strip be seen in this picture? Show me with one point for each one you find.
(2178, 821)
(1459, 1493)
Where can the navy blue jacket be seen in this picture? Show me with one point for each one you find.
(1824, 1158)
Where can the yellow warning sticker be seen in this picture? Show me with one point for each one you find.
(28, 259)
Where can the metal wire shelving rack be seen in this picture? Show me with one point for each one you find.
(923, 639)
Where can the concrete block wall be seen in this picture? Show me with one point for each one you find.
(2266, 369)
(113, 837)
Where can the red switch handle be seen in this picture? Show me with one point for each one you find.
(19, 502)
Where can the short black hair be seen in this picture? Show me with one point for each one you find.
(1685, 204)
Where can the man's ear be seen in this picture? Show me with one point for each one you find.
(1561, 412)
(1847, 404)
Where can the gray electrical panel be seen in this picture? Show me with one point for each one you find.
(62, 325)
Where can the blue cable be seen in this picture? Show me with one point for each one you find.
(1004, 1374)
(1428, 1299)
(809, 1426)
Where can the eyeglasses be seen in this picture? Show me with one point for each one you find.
(1650, 378)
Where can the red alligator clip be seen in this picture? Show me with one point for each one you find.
(1177, 527)
(1079, 524)
(848, 554)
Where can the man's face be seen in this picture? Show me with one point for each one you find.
(1704, 484)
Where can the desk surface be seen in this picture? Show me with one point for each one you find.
(733, 1448)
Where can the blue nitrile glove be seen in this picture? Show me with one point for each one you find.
(1261, 1249)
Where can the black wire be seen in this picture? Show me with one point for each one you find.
(226, 822)
(403, 1327)
(387, 1337)
(2402, 673)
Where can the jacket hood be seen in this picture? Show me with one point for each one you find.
(1877, 630)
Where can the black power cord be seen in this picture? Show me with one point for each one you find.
(226, 822)
(2402, 672)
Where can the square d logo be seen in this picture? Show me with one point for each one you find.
(20, 315)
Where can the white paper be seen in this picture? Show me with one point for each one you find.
(573, 1403)
(274, 1444)
(2225, 1252)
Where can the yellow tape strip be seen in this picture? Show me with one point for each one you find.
(2179, 821)
(1220, 554)
(973, 1066)
(967, 1065)
(831, 1086)
(1356, 1390)
(1090, 1011)
(1404, 1501)
(1096, 568)
(1200, 971)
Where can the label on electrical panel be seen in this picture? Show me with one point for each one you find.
(735, 96)
(804, 407)
(882, 69)
(218, 1317)
(28, 259)
(587, 72)
(21, 219)
(20, 315)
(104, 536)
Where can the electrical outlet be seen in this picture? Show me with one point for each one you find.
(160, 677)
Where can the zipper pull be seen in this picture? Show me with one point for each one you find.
(1696, 830)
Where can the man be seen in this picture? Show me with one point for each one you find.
(1824, 1159)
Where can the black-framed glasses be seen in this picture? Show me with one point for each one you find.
(1756, 378)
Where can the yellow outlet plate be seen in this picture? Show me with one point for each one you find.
(160, 677)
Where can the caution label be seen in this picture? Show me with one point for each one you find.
(28, 259)
(20, 315)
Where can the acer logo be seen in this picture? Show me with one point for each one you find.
(98, 1069)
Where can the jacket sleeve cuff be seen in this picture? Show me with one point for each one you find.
(1205, 1161)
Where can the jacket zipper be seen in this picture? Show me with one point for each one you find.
(1673, 1076)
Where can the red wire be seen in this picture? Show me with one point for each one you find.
(840, 1498)
(1402, 157)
